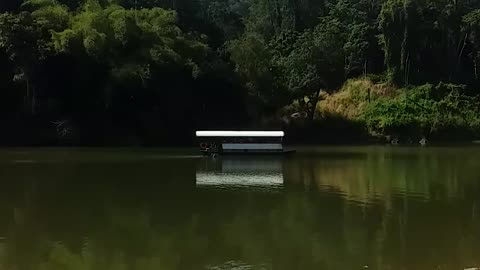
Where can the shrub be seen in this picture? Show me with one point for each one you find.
(424, 110)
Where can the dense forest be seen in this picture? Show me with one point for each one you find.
(148, 72)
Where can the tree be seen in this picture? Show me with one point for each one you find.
(253, 62)
(25, 38)
(129, 42)
(18, 37)
(472, 29)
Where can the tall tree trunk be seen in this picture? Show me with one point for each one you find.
(108, 95)
(475, 68)
(26, 99)
(407, 70)
(459, 59)
(314, 105)
(404, 46)
(29, 101)
(365, 63)
(30, 97)
(34, 100)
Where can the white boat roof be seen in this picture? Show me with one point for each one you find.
(225, 133)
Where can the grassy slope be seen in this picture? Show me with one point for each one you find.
(362, 109)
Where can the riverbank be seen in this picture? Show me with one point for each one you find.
(365, 111)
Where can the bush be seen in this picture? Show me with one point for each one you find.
(437, 112)
(425, 110)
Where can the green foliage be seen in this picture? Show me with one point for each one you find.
(296, 63)
(137, 53)
(254, 63)
(472, 27)
(424, 110)
(293, 63)
(357, 32)
(21, 41)
(129, 42)
(116, 35)
(393, 23)
(125, 45)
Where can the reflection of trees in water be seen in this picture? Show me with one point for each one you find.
(382, 174)
(416, 210)
(123, 240)
(274, 231)
(150, 224)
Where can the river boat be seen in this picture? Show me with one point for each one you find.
(242, 142)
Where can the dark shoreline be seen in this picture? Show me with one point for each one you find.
(334, 133)
(303, 144)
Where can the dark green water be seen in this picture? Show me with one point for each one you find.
(322, 208)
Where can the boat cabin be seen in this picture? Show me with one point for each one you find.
(240, 142)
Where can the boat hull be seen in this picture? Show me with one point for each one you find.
(251, 153)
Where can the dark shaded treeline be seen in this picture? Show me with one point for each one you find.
(145, 72)
(112, 92)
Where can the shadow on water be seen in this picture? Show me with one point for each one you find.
(124, 210)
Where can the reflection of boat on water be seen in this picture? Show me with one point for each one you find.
(238, 265)
(229, 181)
(238, 172)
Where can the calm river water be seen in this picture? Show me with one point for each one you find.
(322, 208)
